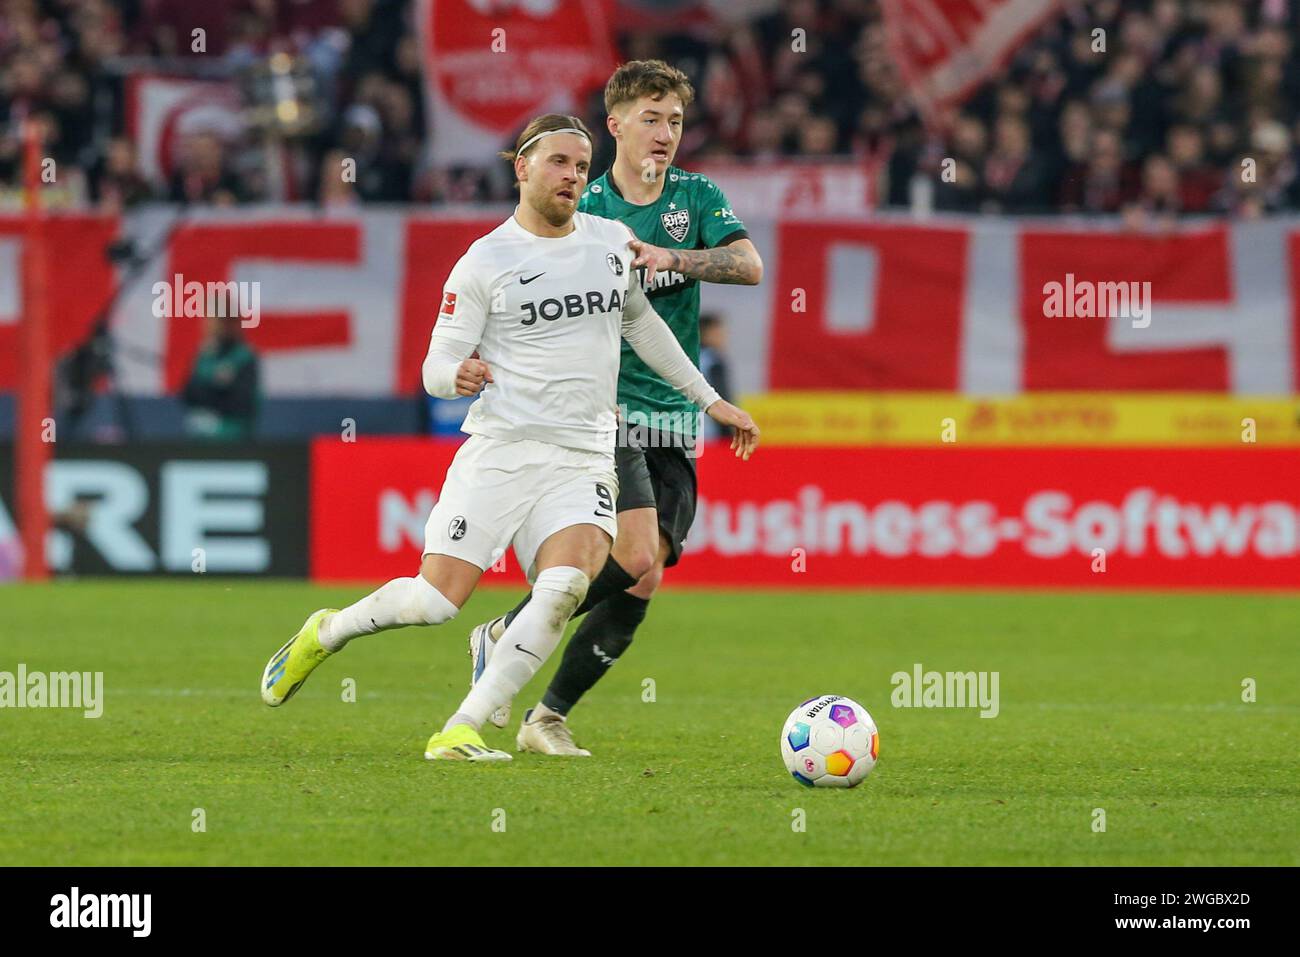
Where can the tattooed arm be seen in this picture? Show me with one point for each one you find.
(736, 262)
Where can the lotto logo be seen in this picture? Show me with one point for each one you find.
(448, 304)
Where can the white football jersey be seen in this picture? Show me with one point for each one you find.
(546, 316)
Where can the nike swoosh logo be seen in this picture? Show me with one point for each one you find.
(525, 650)
(525, 282)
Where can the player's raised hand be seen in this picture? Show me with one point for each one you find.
(470, 376)
(744, 439)
(653, 258)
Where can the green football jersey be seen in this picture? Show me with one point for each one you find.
(691, 213)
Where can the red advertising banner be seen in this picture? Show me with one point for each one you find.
(854, 517)
(369, 502)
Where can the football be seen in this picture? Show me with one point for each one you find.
(830, 742)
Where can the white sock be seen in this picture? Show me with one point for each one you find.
(526, 644)
(460, 717)
(402, 601)
(540, 711)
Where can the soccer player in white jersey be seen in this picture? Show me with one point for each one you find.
(530, 322)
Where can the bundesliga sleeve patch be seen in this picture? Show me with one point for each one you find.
(448, 304)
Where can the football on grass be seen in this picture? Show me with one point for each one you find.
(830, 742)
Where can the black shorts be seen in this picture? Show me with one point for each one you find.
(661, 477)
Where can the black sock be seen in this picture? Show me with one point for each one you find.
(599, 641)
(611, 580)
(513, 612)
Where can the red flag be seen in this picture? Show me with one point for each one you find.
(162, 110)
(490, 67)
(945, 48)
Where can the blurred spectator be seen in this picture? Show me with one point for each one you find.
(713, 353)
(963, 190)
(1159, 198)
(1014, 178)
(1198, 183)
(817, 137)
(1163, 123)
(713, 363)
(221, 395)
(337, 181)
(203, 173)
(116, 183)
(1102, 182)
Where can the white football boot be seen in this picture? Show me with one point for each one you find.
(548, 735)
(482, 640)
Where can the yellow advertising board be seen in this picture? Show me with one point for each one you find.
(1040, 418)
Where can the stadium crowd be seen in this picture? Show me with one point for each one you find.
(1176, 106)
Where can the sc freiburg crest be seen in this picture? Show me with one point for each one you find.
(677, 223)
(615, 264)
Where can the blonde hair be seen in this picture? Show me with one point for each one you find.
(540, 125)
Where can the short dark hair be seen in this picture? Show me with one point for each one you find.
(654, 78)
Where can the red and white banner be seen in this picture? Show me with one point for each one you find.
(791, 188)
(819, 517)
(161, 110)
(80, 284)
(945, 48)
(902, 307)
(490, 67)
(348, 301)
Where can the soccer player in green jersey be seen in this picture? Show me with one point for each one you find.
(686, 234)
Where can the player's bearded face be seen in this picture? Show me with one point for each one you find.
(556, 176)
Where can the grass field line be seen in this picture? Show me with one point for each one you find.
(242, 693)
(1215, 707)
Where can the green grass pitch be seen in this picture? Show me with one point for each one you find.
(1131, 703)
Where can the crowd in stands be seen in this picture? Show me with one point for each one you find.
(1149, 108)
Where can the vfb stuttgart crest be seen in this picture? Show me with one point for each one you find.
(677, 223)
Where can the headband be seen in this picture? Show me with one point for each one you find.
(533, 139)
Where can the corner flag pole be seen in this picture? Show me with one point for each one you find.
(33, 440)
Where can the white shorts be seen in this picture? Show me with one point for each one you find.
(499, 493)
